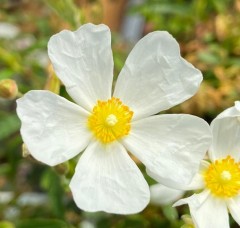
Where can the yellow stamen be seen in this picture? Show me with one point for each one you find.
(110, 120)
(222, 177)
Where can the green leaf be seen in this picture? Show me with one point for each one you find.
(6, 224)
(170, 212)
(40, 223)
(52, 184)
(208, 57)
(12, 60)
(4, 168)
(6, 73)
(8, 125)
(67, 10)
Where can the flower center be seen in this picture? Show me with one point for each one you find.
(222, 177)
(110, 120)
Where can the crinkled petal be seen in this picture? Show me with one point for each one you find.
(155, 77)
(83, 61)
(107, 179)
(170, 146)
(234, 208)
(162, 195)
(226, 134)
(53, 128)
(206, 210)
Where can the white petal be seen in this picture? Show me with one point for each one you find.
(106, 179)
(234, 208)
(226, 133)
(206, 211)
(162, 195)
(197, 181)
(170, 146)
(155, 77)
(53, 128)
(83, 61)
(237, 105)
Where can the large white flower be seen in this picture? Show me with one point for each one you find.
(106, 126)
(220, 179)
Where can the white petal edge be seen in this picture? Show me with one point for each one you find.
(237, 105)
(170, 146)
(162, 195)
(53, 128)
(234, 208)
(206, 210)
(226, 133)
(155, 77)
(83, 61)
(107, 179)
(197, 181)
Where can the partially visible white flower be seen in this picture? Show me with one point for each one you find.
(86, 224)
(6, 197)
(162, 195)
(220, 179)
(11, 213)
(32, 199)
(106, 125)
(8, 31)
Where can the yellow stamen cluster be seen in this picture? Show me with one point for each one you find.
(222, 177)
(110, 120)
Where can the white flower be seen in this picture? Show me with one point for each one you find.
(8, 31)
(220, 179)
(163, 195)
(153, 79)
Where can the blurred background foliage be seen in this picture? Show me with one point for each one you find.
(35, 195)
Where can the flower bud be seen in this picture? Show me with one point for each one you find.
(8, 89)
(25, 151)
